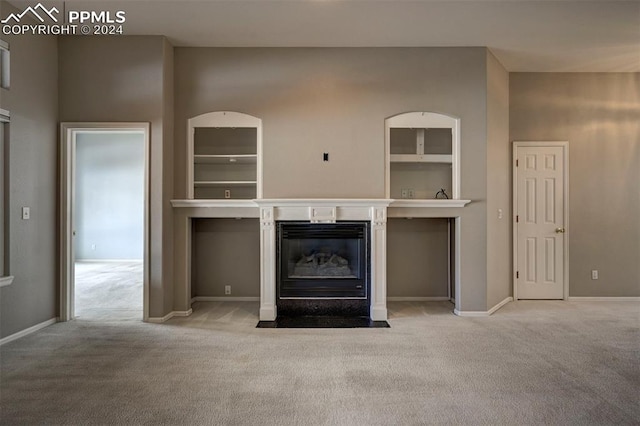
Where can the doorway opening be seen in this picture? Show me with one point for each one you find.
(104, 221)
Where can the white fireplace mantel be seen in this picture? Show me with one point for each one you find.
(323, 211)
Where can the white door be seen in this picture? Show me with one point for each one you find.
(540, 186)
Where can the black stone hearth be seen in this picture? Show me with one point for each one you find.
(322, 322)
(323, 307)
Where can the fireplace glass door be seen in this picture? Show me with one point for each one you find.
(322, 260)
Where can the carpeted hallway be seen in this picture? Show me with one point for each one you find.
(530, 363)
(109, 290)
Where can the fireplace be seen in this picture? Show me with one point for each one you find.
(323, 268)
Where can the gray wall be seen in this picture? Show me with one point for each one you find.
(499, 240)
(124, 78)
(226, 252)
(3, 242)
(109, 196)
(32, 161)
(315, 100)
(599, 114)
(167, 175)
(417, 258)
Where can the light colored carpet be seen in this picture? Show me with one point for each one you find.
(109, 290)
(530, 363)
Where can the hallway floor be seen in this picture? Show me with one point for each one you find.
(109, 290)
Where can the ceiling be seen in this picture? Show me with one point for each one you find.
(525, 35)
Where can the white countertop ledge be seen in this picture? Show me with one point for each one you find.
(319, 202)
(213, 203)
(430, 203)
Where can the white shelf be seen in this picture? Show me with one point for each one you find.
(421, 158)
(226, 159)
(212, 183)
(442, 203)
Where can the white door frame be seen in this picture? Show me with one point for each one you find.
(68, 133)
(565, 257)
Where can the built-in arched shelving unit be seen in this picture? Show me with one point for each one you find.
(224, 152)
(423, 156)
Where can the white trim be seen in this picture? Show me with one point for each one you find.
(429, 203)
(471, 313)
(6, 281)
(323, 202)
(417, 299)
(68, 132)
(225, 299)
(483, 313)
(604, 299)
(160, 320)
(500, 304)
(213, 203)
(28, 331)
(514, 260)
(109, 260)
(298, 202)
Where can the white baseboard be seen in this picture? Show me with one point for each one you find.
(5, 281)
(108, 260)
(225, 299)
(28, 331)
(160, 320)
(483, 313)
(500, 305)
(604, 299)
(417, 299)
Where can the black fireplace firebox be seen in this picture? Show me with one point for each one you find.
(323, 268)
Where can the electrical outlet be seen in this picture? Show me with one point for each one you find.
(227, 193)
(404, 193)
(26, 213)
(499, 213)
(227, 289)
(411, 193)
(594, 274)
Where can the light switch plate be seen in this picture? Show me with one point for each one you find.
(26, 213)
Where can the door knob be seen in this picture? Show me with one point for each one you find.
(560, 231)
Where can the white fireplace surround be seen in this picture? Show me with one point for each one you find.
(269, 211)
(323, 211)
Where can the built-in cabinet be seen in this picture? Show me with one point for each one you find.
(422, 149)
(224, 156)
